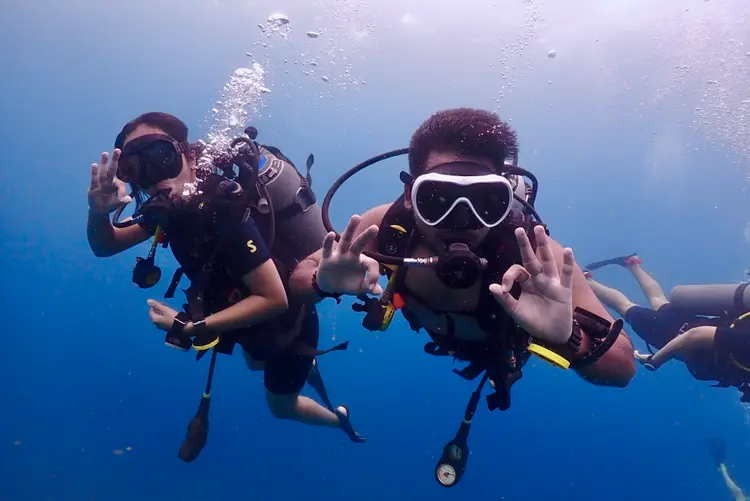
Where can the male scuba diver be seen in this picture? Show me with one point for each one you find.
(469, 261)
(703, 326)
(719, 455)
(237, 272)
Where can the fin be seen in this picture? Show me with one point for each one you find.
(620, 261)
(718, 450)
(197, 432)
(346, 425)
(196, 438)
(315, 380)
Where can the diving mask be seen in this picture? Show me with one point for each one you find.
(150, 159)
(449, 195)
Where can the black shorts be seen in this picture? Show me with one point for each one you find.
(656, 327)
(727, 362)
(286, 371)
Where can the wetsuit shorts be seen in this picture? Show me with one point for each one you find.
(656, 327)
(285, 373)
(730, 360)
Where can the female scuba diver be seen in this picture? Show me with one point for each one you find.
(703, 326)
(467, 263)
(237, 292)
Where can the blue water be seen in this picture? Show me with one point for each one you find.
(85, 374)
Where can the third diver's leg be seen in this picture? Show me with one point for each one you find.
(649, 286)
(610, 297)
(698, 338)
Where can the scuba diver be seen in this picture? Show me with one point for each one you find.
(703, 326)
(718, 453)
(468, 260)
(236, 235)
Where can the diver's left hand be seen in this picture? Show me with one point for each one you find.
(161, 315)
(545, 307)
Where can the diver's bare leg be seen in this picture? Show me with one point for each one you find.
(649, 286)
(302, 409)
(696, 339)
(294, 406)
(609, 296)
(734, 489)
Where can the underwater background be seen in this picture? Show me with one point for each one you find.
(634, 115)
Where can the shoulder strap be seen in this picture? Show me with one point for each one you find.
(395, 230)
(394, 238)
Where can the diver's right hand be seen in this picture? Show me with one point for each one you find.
(344, 269)
(106, 191)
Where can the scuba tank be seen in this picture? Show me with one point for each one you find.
(277, 194)
(299, 228)
(519, 191)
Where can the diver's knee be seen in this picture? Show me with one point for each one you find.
(281, 406)
(657, 302)
(699, 331)
(625, 307)
(252, 364)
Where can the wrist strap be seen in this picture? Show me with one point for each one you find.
(602, 335)
(178, 326)
(560, 355)
(176, 336)
(321, 292)
(203, 338)
(199, 329)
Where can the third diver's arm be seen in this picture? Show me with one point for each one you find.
(300, 283)
(617, 366)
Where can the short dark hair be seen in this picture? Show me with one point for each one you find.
(170, 124)
(464, 130)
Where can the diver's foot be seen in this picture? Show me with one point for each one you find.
(646, 360)
(641, 357)
(343, 414)
(623, 261)
(633, 260)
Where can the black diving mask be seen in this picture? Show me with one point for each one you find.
(150, 159)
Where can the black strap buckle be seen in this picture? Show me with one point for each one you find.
(305, 196)
(374, 312)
